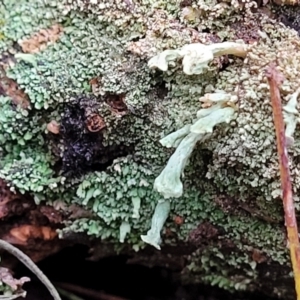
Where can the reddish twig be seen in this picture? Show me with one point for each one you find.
(275, 79)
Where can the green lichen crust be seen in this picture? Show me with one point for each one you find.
(229, 215)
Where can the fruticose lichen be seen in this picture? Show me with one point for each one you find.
(196, 57)
(119, 121)
(168, 182)
(159, 218)
(291, 116)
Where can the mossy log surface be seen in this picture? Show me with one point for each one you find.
(82, 114)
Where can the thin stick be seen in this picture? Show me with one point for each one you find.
(26, 260)
(275, 79)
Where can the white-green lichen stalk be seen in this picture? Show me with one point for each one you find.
(196, 57)
(291, 117)
(168, 183)
(173, 140)
(221, 109)
(159, 218)
(207, 123)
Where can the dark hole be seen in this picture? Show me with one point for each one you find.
(206, 30)
(113, 277)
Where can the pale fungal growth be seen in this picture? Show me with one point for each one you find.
(159, 218)
(291, 117)
(124, 230)
(168, 183)
(196, 57)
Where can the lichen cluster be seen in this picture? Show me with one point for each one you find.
(229, 212)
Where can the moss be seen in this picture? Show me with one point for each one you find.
(99, 66)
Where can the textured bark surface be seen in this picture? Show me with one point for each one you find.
(82, 116)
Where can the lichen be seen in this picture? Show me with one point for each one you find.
(196, 57)
(124, 230)
(168, 182)
(99, 67)
(291, 117)
(159, 218)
